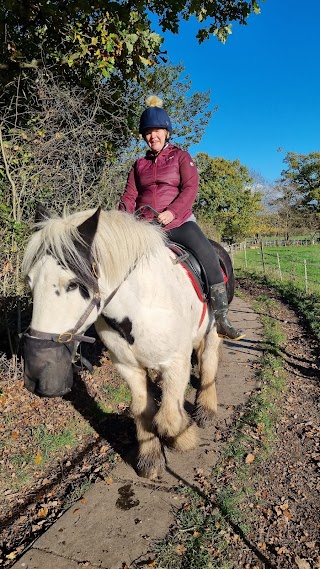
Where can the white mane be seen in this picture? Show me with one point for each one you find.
(119, 242)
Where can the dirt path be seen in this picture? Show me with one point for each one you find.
(116, 522)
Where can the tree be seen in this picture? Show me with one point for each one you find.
(302, 177)
(98, 37)
(298, 200)
(225, 197)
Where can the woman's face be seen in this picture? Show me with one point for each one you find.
(155, 138)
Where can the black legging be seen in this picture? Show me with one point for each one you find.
(191, 236)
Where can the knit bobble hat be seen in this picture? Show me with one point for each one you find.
(154, 116)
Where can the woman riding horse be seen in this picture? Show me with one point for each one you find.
(167, 180)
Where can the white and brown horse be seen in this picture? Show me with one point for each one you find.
(113, 270)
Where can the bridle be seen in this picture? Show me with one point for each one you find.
(73, 335)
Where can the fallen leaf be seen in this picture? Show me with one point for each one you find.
(38, 458)
(250, 458)
(196, 534)
(43, 512)
(180, 549)
(3, 399)
(302, 563)
(12, 555)
(311, 544)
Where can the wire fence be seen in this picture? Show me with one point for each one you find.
(300, 266)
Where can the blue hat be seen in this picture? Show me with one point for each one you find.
(154, 116)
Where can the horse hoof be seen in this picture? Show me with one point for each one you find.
(150, 469)
(204, 417)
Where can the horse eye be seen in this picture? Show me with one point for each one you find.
(72, 286)
(84, 291)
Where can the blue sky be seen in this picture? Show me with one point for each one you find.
(265, 81)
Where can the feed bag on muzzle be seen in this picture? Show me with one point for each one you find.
(48, 367)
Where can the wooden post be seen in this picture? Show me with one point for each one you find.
(262, 257)
(245, 255)
(305, 275)
(280, 274)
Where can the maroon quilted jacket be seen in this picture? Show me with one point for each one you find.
(167, 181)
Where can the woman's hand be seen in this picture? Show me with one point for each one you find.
(165, 217)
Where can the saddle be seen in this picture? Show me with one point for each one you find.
(194, 268)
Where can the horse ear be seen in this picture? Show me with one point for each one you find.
(88, 228)
(42, 214)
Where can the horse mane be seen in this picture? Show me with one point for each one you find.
(120, 241)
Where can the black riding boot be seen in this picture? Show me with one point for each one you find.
(220, 305)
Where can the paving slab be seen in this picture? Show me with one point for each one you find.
(116, 523)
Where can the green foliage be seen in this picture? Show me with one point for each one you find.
(225, 197)
(83, 39)
(97, 38)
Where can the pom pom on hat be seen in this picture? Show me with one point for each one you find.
(154, 116)
(154, 101)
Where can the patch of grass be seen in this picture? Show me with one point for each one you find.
(117, 394)
(49, 442)
(197, 541)
(306, 305)
(286, 263)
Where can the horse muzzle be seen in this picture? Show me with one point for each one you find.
(48, 368)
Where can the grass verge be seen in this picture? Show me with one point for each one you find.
(307, 305)
(222, 511)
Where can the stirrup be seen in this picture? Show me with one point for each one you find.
(239, 334)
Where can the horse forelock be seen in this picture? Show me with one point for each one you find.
(120, 241)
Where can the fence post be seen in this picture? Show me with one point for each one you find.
(262, 257)
(231, 255)
(280, 274)
(245, 256)
(305, 275)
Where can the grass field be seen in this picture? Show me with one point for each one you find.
(299, 265)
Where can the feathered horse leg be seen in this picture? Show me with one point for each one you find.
(143, 407)
(208, 359)
(172, 421)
